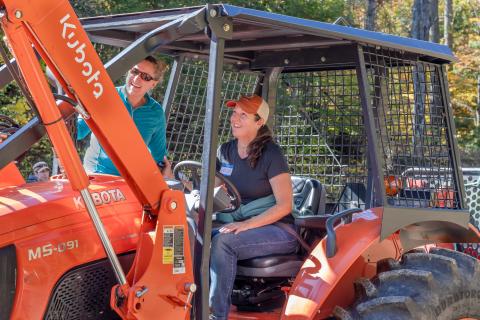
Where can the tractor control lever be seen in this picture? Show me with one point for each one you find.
(190, 288)
(329, 225)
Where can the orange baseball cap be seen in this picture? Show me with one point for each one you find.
(252, 105)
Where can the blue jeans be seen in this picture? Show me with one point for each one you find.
(227, 248)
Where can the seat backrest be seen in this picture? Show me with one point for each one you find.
(309, 196)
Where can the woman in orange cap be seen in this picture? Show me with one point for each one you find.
(256, 166)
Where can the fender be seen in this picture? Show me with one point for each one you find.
(323, 282)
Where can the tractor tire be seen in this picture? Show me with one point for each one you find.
(440, 285)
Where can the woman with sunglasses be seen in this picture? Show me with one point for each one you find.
(146, 112)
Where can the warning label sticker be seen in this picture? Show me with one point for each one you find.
(178, 255)
(178, 265)
(168, 232)
(173, 248)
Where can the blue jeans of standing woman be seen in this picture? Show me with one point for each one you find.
(227, 248)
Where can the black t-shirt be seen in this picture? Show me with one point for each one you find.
(252, 183)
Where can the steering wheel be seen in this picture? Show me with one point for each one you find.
(189, 170)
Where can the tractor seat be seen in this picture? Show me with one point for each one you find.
(270, 266)
(308, 199)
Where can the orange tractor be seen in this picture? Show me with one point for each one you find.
(354, 111)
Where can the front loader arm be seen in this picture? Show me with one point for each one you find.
(50, 27)
(53, 27)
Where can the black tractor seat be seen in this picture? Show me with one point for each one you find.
(270, 266)
(309, 200)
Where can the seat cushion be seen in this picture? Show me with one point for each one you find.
(284, 266)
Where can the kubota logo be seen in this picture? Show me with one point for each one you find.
(91, 75)
(102, 197)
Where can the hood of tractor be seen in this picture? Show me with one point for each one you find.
(38, 207)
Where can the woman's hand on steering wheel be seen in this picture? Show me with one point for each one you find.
(194, 168)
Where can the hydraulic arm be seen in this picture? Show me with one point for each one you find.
(52, 29)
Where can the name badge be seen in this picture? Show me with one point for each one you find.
(226, 169)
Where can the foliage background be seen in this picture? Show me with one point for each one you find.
(393, 16)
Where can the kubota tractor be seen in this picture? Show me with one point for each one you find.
(364, 120)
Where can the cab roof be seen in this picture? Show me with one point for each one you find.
(253, 31)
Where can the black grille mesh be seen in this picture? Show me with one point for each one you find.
(8, 273)
(84, 293)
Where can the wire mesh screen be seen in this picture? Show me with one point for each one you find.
(410, 116)
(319, 124)
(185, 124)
(471, 180)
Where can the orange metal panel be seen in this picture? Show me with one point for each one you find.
(52, 27)
(48, 110)
(10, 176)
(65, 47)
(163, 266)
(48, 217)
(323, 283)
(245, 315)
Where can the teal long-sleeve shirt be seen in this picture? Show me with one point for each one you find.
(150, 121)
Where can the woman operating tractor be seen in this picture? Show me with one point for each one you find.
(256, 166)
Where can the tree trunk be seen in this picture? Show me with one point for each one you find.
(434, 98)
(371, 16)
(447, 23)
(435, 28)
(421, 13)
(421, 22)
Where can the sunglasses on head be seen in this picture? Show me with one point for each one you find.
(143, 75)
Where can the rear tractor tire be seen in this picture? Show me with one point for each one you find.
(440, 285)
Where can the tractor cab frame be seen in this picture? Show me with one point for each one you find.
(365, 115)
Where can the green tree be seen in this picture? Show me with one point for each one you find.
(464, 78)
(393, 17)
